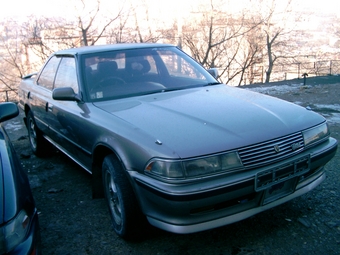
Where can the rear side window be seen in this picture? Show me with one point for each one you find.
(67, 75)
(47, 75)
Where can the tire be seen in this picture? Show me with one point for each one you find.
(39, 145)
(124, 210)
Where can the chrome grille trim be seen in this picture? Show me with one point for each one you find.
(264, 153)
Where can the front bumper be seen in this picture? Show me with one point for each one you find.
(214, 202)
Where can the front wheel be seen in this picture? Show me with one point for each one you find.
(124, 209)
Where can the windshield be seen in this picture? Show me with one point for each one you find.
(117, 74)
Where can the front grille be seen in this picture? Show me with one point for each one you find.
(273, 150)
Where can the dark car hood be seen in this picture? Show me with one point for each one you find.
(207, 120)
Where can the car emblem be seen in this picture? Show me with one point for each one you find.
(295, 146)
(277, 148)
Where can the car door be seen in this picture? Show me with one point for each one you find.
(67, 124)
(41, 95)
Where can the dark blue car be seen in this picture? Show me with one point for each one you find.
(19, 228)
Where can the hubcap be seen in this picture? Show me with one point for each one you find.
(113, 199)
(32, 134)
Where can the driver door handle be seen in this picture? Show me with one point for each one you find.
(49, 107)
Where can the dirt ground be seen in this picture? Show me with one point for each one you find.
(73, 223)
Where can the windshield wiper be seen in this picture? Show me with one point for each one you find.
(190, 86)
(179, 88)
(211, 84)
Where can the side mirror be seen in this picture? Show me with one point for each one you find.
(65, 94)
(213, 72)
(8, 111)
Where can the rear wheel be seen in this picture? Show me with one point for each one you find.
(39, 145)
(124, 210)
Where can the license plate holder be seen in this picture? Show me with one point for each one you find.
(279, 190)
(280, 181)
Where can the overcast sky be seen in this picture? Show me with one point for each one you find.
(21, 8)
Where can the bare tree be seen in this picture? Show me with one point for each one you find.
(92, 23)
(137, 25)
(120, 32)
(40, 36)
(277, 29)
(249, 56)
(36, 34)
(215, 39)
(144, 32)
(12, 68)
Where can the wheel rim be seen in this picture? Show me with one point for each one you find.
(113, 199)
(32, 134)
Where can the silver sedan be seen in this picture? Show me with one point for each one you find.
(165, 141)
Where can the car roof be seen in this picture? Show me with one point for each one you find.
(109, 47)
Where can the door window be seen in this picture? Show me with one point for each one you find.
(47, 75)
(67, 75)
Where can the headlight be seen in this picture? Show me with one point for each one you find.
(14, 232)
(315, 134)
(194, 167)
(170, 169)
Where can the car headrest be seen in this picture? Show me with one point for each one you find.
(107, 67)
(140, 67)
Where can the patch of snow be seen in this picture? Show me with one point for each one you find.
(332, 118)
(14, 126)
(334, 107)
(279, 89)
(333, 114)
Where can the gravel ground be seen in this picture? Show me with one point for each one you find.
(73, 223)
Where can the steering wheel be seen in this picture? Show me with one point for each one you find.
(107, 82)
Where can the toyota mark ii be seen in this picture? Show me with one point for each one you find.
(165, 141)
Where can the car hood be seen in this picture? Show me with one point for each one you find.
(206, 120)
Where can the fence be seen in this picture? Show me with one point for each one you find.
(281, 72)
(297, 70)
(8, 96)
